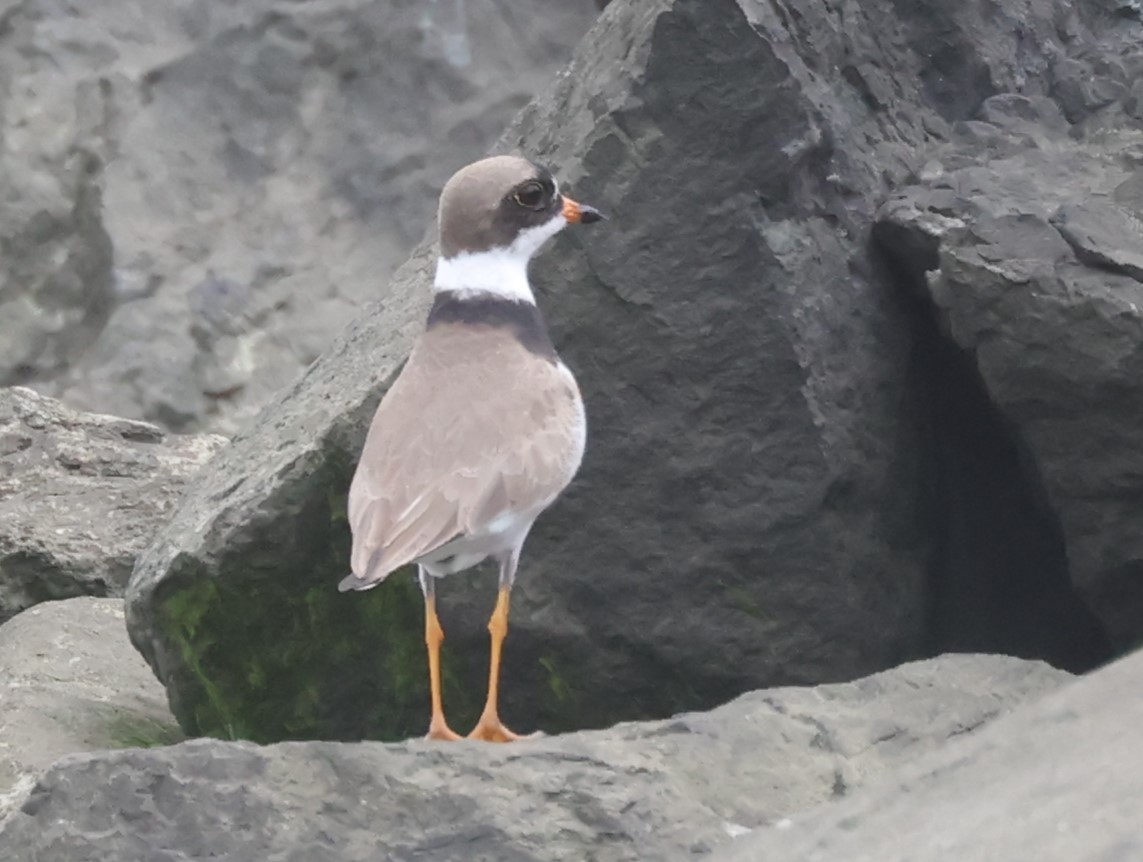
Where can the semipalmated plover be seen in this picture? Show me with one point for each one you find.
(484, 426)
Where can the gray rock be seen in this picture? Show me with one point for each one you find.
(81, 494)
(753, 508)
(1103, 235)
(1060, 779)
(71, 682)
(655, 791)
(712, 509)
(56, 279)
(1031, 259)
(295, 150)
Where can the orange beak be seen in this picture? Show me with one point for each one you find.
(578, 213)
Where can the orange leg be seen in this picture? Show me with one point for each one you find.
(490, 728)
(434, 634)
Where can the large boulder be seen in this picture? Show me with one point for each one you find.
(198, 196)
(654, 791)
(71, 682)
(81, 494)
(1059, 779)
(732, 483)
(1024, 236)
(752, 509)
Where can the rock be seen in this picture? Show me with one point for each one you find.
(81, 495)
(71, 682)
(658, 790)
(754, 506)
(1103, 235)
(655, 568)
(1028, 253)
(56, 282)
(1059, 779)
(292, 150)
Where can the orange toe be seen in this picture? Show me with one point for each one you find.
(493, 730)
(440, 731)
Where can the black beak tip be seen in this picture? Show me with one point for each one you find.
(590, 215)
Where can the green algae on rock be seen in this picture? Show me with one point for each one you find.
(280, 654)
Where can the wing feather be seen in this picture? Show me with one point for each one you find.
(475, 426)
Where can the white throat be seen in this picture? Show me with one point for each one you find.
(502, 272)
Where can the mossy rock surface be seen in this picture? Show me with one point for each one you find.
(270, 650)
(267, 649)
(134, 731)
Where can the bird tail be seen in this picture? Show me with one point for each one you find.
(370, 579)
(352, 582)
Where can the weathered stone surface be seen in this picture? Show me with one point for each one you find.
(656, 791)
(1029, 249)
(752, 509)
(71, 682)
(634, 594)
(81, 494)
(198, 196)
(57, 286)
(1060, 779)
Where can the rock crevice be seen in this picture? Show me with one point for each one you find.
(998, 572)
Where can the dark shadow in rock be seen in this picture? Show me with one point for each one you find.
(999, 572)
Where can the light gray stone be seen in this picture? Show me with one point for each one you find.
(71, 682)
(654, 791)
(1060, 779)
(294, 151)
(81, 494)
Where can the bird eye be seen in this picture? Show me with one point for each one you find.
(530, 196)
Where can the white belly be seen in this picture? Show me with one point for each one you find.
(503, 534)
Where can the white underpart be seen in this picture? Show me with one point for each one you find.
(502, 272)
(504, 533)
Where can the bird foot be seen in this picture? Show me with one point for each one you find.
(439, 730)
(493, 730)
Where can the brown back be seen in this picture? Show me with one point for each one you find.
(475, 425)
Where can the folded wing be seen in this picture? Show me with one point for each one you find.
(455, 446)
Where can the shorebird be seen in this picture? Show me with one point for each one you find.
(484, 426)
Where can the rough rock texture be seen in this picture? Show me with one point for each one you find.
(199, 195)
(664, 790)
(1024, 236)
(752, 508)
(81, 495)
(71, 682)
(1060, 779)
(744, 512)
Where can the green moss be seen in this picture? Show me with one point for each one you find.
(268, 649)
(745, 600)
(132, 731)
(271, 662)
(561, 696)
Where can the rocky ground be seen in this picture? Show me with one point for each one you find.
(674, 789)
(860, 350)
(70, 682)
(1057, 780)
(81, 495)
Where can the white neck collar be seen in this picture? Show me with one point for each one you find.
(502, 272)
